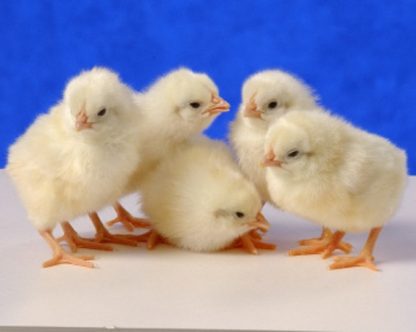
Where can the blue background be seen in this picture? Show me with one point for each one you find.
(358, 55)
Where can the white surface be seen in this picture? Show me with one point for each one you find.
(170, 288)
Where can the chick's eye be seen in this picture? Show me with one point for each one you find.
(195, 104)
(239, 214)
(272, 105)
(293, 153)
(102, 112)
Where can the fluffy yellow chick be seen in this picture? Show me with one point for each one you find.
(198, 199)
(266, 96)
(324, 169)
(76, 159)
(177, 107)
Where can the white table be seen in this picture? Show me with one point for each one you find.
(175, 289)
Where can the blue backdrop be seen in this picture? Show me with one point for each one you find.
(358, 55)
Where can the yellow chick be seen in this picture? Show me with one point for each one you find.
(198, 199)
(76, 159)
(177, 107)
(266, 96)
(322, 168)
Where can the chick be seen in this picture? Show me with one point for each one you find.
(266, 96)
(177, 107)
(324, 169)
(76, 159)
(198, 199)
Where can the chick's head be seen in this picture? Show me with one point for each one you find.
(269, 94)
(98, 102)
(187, 101)
(236, 207)
(301, 145)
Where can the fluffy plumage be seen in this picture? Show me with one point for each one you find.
(266, 96)
(198, 199)
(78, 157)
(324, 169)
(177, 107)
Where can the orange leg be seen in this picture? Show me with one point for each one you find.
(364, 259)
(325, 235)
(325, 246)
(75, 241)
(152, 238)
(62, 257)
(128, 221)
(251, 243)
(103, 235)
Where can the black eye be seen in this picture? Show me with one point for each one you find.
(272, 104)
(293, 154)
(195, 104)
(102, 112)
(239, 214)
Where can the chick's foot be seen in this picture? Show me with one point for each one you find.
(351, 261)
(74, 241)
(62, 257)
(127, 220)
(103, 235)
(151, 238)
(325, 245)
(364, 259)
(326, 234)
(250, 242)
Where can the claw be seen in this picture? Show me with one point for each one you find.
(251, 244)
(62, 257)
(361, 260)
(325, 245)
(127, 220)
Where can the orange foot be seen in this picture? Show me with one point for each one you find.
(326, 233)
(103, 235)
(75, 241)
(250, 242)
(152, 239)
(325, 236)
(324, 245)
(362, 260)
(127, 220)
(62, 257)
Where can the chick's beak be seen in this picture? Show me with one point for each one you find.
(251, 110)
(81, 120)
(270, 160)
(260, 223)
(219, 105)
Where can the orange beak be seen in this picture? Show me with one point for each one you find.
(270, 160)
(81, 120)
(260, 223)
(251, 110)
(219, 105)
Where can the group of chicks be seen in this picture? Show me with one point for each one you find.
(104, 140)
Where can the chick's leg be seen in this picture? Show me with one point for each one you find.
(250, 243)
(329, 243)
(103, 235)
(126, 219)
(364, 259)
(152, 239)
(325, 235)
(74, 241)
(62, 257)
